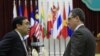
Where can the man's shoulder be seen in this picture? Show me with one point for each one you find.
(85, 32)
(11, 34)
(83, 29)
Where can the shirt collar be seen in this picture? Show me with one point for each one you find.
(78, 26)
(19, 35)
(22, 41)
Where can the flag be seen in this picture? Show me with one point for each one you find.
(20, 9)
(14, 10)
(56, 17)
(49, 25)
(57, 26)
(25, 9)
(54, 11)
(43, 21)
(69, 9)
(34, 22)
(36, 19)
(49, 20)
(32, 26)
(70, 31)
(64, 31)
(54, 31)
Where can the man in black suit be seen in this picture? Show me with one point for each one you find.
(13, 43)
(82, 42)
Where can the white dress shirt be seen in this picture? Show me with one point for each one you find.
(78, 26)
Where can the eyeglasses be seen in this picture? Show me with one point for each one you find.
(70, 18)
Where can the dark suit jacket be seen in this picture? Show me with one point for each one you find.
(11, 45)
(82, 43)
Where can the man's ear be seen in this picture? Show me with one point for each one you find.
(77, 18)
(18, 26)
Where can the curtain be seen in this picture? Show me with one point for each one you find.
(5, 16)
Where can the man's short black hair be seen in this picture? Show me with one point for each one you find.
(78, 12)
(17, 20)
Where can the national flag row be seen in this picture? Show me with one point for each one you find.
(47, 19)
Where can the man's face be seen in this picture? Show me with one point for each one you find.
(24, 28)
(72, 21)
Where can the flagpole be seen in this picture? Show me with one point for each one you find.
(59, 47)
(65, 43)
(54, 48)
(49, 45)
(14, 9)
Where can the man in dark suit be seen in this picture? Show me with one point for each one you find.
(82, 42)
(13, 43)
